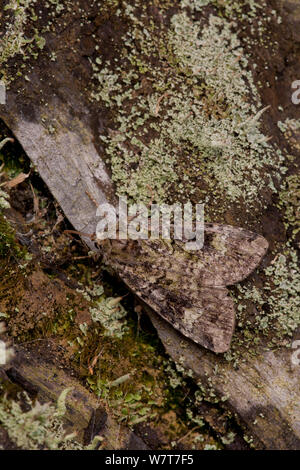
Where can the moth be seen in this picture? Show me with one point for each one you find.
(188, 288)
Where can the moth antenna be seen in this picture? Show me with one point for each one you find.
(91, 236)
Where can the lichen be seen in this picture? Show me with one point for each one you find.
(40, 427)
(4, 204)
(14, 41)
(202, 118)
(290, 201)
(8, 245)
(195, 4)
(111, 315)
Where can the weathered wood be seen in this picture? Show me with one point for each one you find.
(67, 160)
(263, 391)
(46, 381)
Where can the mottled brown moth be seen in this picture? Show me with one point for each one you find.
(188, 288)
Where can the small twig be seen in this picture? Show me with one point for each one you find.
(159, 101)
(92, 198)
(36, 205)
(83, 234)
(187, 434)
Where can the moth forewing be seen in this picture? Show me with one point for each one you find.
(188, 288)
(234, 253)
(206, 316)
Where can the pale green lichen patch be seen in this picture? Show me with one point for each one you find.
(111, 315)
(283, 292)
(4, 204)
(14, 41)
(183, 113)
(290, 128)
(187, 113)
(40, 427)
(105, 310)
(290, 201)
(289, 124)
(276, 304)
(23, 25)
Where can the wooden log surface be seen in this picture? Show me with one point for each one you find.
(264, 391)
(84, 416)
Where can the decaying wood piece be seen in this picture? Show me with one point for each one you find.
(263, 391)
(188, 288)
(45, 381)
